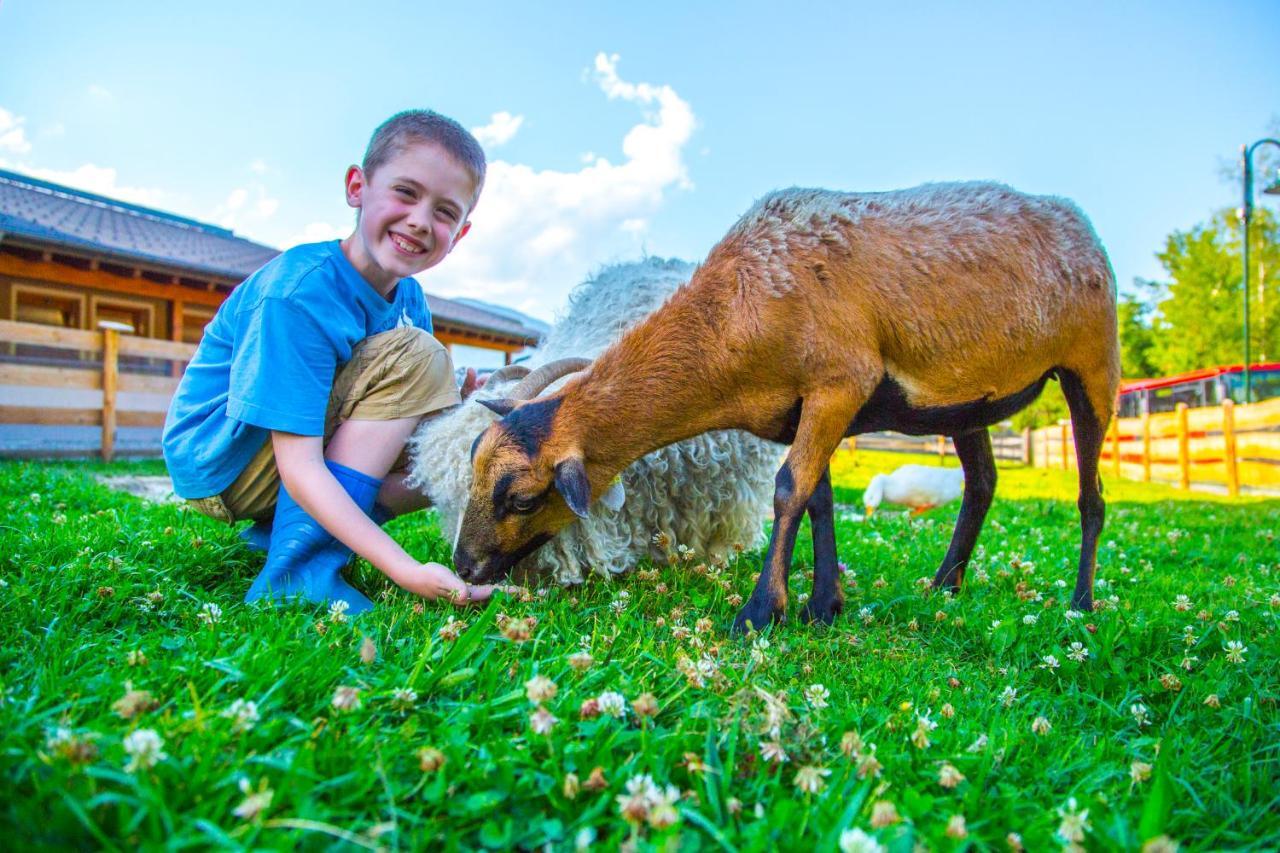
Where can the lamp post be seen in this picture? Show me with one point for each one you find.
(1247, 212)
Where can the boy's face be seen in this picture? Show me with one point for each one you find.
(413, 210)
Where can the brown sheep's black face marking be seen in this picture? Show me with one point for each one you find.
(514, 507)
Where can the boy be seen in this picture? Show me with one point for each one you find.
(296, 407)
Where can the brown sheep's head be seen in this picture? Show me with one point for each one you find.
(527, 484)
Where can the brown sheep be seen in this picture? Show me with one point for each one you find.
(941, 309)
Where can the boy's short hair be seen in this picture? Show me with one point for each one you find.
(410, 126)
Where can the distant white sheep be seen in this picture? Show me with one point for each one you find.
(708, 493)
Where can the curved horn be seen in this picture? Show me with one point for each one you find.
(507, 373)
(539, 379)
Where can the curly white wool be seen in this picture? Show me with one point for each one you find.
(708, 492)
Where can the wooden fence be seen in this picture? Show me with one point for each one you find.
(103, 365)
(1225, 447)
(1007, 446)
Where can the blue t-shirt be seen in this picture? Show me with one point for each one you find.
(268, 358)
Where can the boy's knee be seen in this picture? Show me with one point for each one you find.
(404, 342)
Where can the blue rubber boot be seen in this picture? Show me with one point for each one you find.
(304, 561)
(257, 536)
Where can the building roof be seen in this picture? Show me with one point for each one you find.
(61, 216)
(52, 213)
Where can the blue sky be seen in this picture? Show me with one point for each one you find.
(615, 129)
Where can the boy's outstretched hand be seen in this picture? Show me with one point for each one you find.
(434, 580)
(471, 383)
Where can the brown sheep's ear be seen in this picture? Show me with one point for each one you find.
(573, 486)
(500, 406)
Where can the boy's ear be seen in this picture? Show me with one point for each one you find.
(355, 186)
(462, 232)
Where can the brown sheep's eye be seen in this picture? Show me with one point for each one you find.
(523, 505)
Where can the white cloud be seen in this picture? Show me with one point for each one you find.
(100, 93)
(13, 136)
(318, 232)
(501, 127)
(246, 208)
(258, 166)
(537, 233)
(102, 180)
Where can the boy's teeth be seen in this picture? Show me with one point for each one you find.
(404, 244)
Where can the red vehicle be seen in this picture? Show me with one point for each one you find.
(1206, 387)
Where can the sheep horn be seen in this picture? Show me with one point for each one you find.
(507, 373)
(539, 379)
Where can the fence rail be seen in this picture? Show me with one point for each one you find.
(1007, 446)
(100, 371)
(1227, 447)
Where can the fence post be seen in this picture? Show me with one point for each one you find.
(1115, 447)
(1063, 428)
(1229, 446)
(1184, 449)
(110, 377)
(942, 447)
(1146, 447)
(1026, 445)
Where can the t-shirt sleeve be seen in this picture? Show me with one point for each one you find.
(282, 369)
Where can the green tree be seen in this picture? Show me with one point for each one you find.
(1137, 338)
(1198, 321)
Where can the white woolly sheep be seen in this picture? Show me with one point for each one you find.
(708, 493)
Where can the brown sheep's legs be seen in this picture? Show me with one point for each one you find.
(974, 450)
(823, 420)
(1088, 425)
(827, 600)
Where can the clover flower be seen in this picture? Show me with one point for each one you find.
(1041, 725)
(1078, 652)
(542, 721)
(1139, 713)
(243, 715)
(1139, 771)
(811, 779)
(145, 748)
(403, 698)
(451, 630)
(856, 841)
(948, 775)
(1182, 603)
(817, 695)
(920, 737)
(612, 703)
(338, 611)
(255, 802)
(956, 827)
(210, 613)
(1075, 822)
(1235, 651)
(1049, 662)
(772, 751)
(1008, 696)
(540, 689)
(884, 813)
(346, 699)
(581, 661)
(71, 747)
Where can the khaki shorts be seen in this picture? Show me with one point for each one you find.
(403, 373)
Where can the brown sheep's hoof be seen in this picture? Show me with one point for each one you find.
(822, 611)
(757, 615)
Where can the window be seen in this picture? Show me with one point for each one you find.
(135, 313)
(47, 307)
(194, 319)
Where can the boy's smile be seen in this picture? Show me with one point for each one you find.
(413, 210)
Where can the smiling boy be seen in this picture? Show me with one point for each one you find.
(295, 410)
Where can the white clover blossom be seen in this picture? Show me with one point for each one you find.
(1049, 662)
(338, 611)
(1008, 696)
(856, 841)
(404, 698)
(1235, 651)
(1078, 652)
(540, 689)
(1075, 822)
(1030, 619)
(817, 695)
(811, 779)
(243, 715)
(1139, 713)
(346, 699)
(145, 748)
(612, 703)
(210, 613)
(542, 721)
(255, 802)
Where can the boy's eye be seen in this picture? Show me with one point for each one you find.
(405, 191)
(451, 215)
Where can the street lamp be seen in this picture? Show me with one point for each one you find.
(1246, 213)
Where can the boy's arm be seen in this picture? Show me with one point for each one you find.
(300, 460)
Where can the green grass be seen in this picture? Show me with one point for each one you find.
(102, 593)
